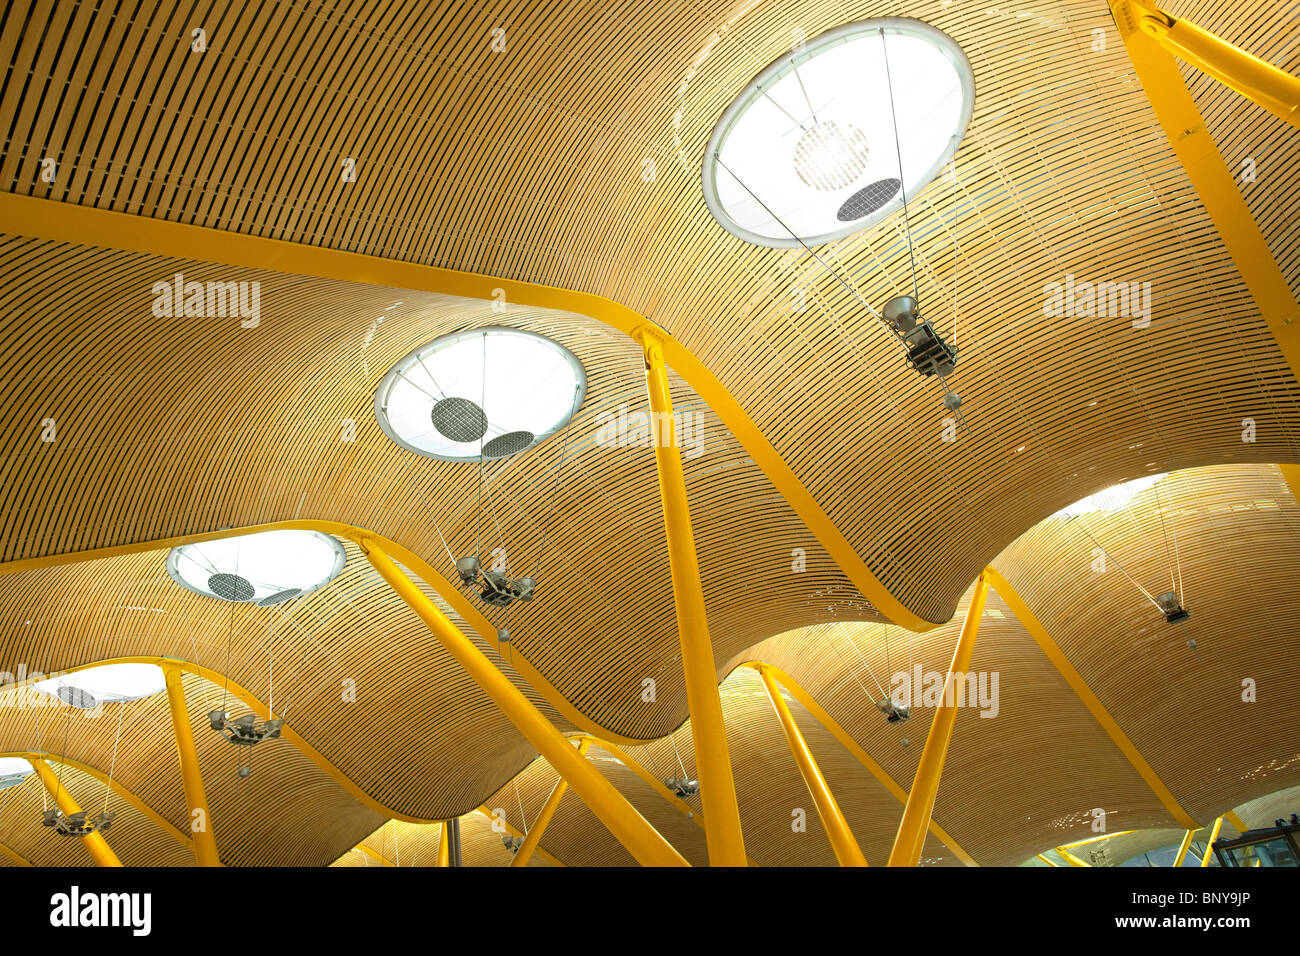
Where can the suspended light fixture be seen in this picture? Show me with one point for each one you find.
(268, 567)
(480, 394)
(105, 684)
(831, 139)
(817, 147)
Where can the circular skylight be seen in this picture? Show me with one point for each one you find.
(808, 149)
(106, 684)
(269, 567)
(1108, 500)
(487, 393)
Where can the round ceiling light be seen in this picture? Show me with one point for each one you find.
(269, 567)
(808, 150)
(481, 393)
(106, 684)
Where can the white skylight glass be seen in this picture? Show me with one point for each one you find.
(268, 566)
(491, 392)
(106, 684)
(811, 138)
(1114, 498)
(13, 771)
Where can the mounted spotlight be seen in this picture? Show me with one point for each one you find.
(483, 393)
(682, 786)
(511, 842)
(927, 352)
(244, 731)
(494, 587)
(266, 568)
(894, 713)
(1173, 608)
(77, 824)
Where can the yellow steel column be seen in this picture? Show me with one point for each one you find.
(1209, 844)
(920, 801)
(534, 835)
(837, 829)
(712, 761)
(205, 841)
(95, 842)
(444, 846)
(1046, 860)
(631, 829)
(1070, 858)
(1182, 849)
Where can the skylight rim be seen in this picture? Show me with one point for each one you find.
(412, 358)
(175, 554)
(787, 62)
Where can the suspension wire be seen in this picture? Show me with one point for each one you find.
(1173, 531)
(45, 792)
(803, 89)
(67, 723)
(898, 150)
(230, 633)
(555, 491)
(478, 510)
(520, 800)
(848, 666)
(672, 740)
(108, 787)
(956, 259)
(862, 657)
(1120, 566)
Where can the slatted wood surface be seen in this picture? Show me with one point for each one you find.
(528, 164)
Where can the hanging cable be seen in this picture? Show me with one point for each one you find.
(112, 766)
(898, 150)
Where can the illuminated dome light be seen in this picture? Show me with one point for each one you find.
(13, 771)
(809, 146)
(105, 684)
(488, 392)
(268, 567)
(1114, 498)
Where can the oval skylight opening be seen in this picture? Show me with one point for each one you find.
(13, 771)
(808, 149)
(489, 393)
(1108, 500)
(105, 684)
(268, 567)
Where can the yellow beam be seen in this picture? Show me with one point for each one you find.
(846, 848)
(920, 801)
(1214, 183)
(515, 831)
(1070, 858)
(71, 222)
(444, 845)
(1046, 860)
(14, 855)
(454, 597)
(374, 855)
(1236, 821)
(153, 815)
(534, 836)
(94, 842)
(1183, 847)
(712, 760)
(200, 817)
(628, 827)
(1089, 699)
(852, 746)
(1257, 80)
(1209, 844)
(1096, 839)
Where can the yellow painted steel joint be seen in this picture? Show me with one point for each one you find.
(920, 801)
(1209, 844)
(94, 842)
(534, 836)
(836, 827)
(200, 816)
(712, 758)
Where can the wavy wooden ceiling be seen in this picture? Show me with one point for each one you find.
(528, 165)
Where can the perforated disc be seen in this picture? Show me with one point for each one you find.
(868, 199)
(279, 597)
(459, 419)
(76, 697)
(230, 587)
(508, 444)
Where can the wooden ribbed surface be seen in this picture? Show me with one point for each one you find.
(529, 165)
